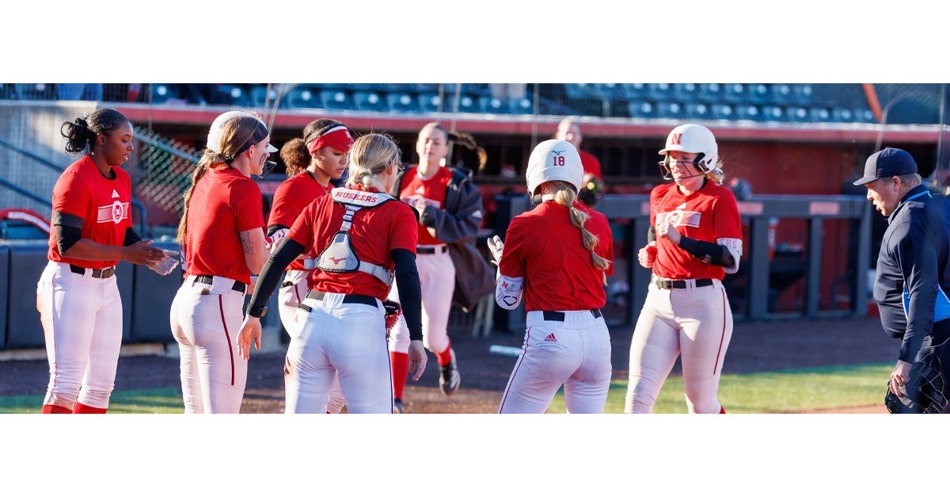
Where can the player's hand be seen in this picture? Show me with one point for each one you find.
(647, 255)
(420, 205)
(250, 333)
(668, 231)
(899, 378)
(497, 247)
(417, 359)
(166, 266)
(143, 253)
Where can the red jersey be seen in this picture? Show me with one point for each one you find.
(706, 215)
(431, 190)
(591, 164)
(224, 203)
(291, 197)
(102, 204)
(544, 247)
(374, 233)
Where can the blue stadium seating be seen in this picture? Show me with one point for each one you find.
(161, 92)
(820, 114)
(686, 92)
(230, 94)
(781, 94)
(773, 113)
(722, 111)
(429, 102)
(712, 92)
(797, 113)
(735, 93)
(803, 94)
(660, 91)
(842, 114)
(303, 97)
(463, 103)
(669, 110)
(634, 91)
(748, 112)
(758, 93)
(370, 100)
(697, 110)
(401, 102)
(262, 97)
(642, 109)
(521, 106)
(335, 100)
(492, 105)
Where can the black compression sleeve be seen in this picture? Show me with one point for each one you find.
(410, 292)
(271, 275)
(710, 253)
(271, 229)
(131, 237)
(66, 237)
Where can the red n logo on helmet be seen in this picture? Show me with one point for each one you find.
(675, 138)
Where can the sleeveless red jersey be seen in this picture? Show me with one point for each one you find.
(705, 215)
(431, 190)
(291, 197)
(224, 203)
(374, 233)
(102, 203)
(544, 247)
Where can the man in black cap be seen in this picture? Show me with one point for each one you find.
(912, 281)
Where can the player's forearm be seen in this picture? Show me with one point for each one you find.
(710, 253)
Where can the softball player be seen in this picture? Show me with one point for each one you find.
(446, 215)
(77, 295)
(325, 144)
(362, 235)
(557, 256)
(695, 239)
(223, 244)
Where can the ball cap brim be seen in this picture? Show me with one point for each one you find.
(888, 162)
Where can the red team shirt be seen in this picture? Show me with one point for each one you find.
(431, 190)
(223, 204)
(375, 232)
(543, 246)
(102, 203)
(291, 197)
(590, 163)
(705, 215)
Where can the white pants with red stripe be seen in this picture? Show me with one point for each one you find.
(82, 324)
(289, 297)
(337, 339)
(437, 281)
(574, 353)
(693, 322)
(205, 320)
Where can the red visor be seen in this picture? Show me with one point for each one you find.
(337, 137)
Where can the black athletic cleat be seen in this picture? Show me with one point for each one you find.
(449, 379)
(397, 406)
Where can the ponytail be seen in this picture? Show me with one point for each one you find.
(566, 196)
(207, 160)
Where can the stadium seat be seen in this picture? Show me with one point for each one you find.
(748, 112)
(697, 110)
(686, 92)
(758, 93)
(303, 97)
(781, 94)
(161, 93)
(820, 114)
(463, 103)
(336, 100)
(262, 97)
(660, 92)
(401, 102)
(633, 91)
(797, 113)
(642, 109)
(492, 105)
(841, 114)
(370, 101)
(864, 115)
(735, 93)
(711, 92)
(773, 113)
(429, 102)
(669, 110)
(611, 91)
(803, 94)
(722, 111)
(229, 94)
(521, 106)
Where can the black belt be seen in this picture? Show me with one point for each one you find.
(97, 273)
(559, 316)
(431, 250)
(238, 285)
(680, 284)
(350, 298)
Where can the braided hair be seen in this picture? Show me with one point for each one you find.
(565, 195)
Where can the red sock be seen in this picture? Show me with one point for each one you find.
(722, 409)
(445, 356)
(55, 409)
(80, 408)
(400, 365)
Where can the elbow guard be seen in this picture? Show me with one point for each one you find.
(710, 253)
(508, 291)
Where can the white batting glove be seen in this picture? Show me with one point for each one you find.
(270, 242)
(496, 246)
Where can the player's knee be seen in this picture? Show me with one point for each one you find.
(641, 395)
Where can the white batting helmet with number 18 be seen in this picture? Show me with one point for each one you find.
(554, 160)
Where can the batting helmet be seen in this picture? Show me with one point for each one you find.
(554, 160)
(214, 134)
(924, 392)
(691, 138)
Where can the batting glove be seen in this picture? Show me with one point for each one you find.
(166, 266)
(496, 246)
(270, 242)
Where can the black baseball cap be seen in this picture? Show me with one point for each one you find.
(888, 162)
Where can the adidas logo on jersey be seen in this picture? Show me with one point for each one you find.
(421, 190)
(681, 207)
(115, 194)
(551, 338)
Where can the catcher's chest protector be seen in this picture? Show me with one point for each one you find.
(339, 255)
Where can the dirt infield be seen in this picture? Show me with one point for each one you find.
(755, 347)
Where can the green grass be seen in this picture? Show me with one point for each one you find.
(771, 392)
(162, 400)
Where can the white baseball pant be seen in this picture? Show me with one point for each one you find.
(437, 281)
